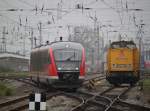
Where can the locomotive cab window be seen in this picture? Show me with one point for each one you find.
(131, 46)
(123, 44)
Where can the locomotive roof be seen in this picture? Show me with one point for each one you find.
(60, 45)
(123, 42)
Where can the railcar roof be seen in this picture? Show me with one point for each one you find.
(73, 45)
(60, 45)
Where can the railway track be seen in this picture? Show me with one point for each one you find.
(124, 106)
(26, 80)
(108, 100)
(89, 81)
(22, 103)
(12, 105)
(93, 102)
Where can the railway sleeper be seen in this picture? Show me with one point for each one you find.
(93, 83)
(119, 104)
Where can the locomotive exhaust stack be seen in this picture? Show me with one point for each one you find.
(61, 39)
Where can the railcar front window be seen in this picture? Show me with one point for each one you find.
(67, 59)
(65, 55)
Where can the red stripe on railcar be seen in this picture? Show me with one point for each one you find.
(82, 66)
(147, 64)
(52, 66)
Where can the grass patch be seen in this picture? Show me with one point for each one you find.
(146, 85)
(3, 69)
(10, 72)
(20, 74)
(5, 89)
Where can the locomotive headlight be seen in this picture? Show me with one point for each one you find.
(59, 68)
(77, 68)
(129, 65)
(113, 65)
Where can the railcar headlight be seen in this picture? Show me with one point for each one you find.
(59, 68)
(77, 68)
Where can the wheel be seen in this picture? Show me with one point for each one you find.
(132, 84)
(74, 89)
(116, 84)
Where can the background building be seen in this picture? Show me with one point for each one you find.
(13, 62)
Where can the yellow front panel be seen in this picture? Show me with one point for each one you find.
(121, 59)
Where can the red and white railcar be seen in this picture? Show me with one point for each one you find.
(59, 64)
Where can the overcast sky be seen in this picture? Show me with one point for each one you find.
(114, 16)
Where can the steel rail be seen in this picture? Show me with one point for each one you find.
(22, 103)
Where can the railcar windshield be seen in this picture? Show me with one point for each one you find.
(68, 59)
(67, 55)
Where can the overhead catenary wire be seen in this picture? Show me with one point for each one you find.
(33, 7)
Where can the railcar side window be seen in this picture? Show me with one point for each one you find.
(48, 57)
(39, 59)
(35, 61)
(45, 57)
